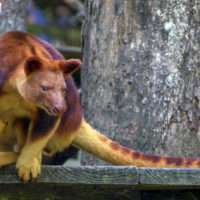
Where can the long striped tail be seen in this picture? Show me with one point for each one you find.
(88, 139)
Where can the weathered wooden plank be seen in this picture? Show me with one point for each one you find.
(127, 175)
(140, 178)
(74, 183)
(169, 176)
(88, 183)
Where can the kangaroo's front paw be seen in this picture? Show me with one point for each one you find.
(28, 168)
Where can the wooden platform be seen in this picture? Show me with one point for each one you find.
(127, 182)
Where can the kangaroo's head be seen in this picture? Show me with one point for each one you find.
(44, 83)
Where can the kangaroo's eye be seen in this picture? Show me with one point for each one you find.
(45, 89)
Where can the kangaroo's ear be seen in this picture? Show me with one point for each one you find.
(69, 66)
(32, 64)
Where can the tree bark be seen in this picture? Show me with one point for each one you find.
(141, 74)
(13, 15)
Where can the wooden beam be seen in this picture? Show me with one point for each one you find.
(106, 182)
(78, 175)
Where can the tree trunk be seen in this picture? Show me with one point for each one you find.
(141, 74)
(13, 15)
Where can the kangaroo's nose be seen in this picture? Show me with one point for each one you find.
(59, 109)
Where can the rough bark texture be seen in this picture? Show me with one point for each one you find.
(13, 15)
(141, 74)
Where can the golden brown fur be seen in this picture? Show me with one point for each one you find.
(40, 110)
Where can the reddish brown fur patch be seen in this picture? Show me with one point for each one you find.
(153, 158)
(136, 154)
(190, 161)
(125, 150)
(117, 146)
(7, 52)
(114, 145)
(173, 160)
(103, 138)
(55, 55)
